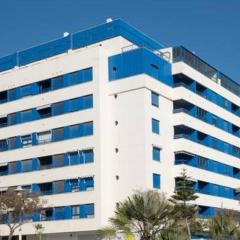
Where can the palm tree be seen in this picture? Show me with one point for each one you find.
(145, 214)
(224, 226)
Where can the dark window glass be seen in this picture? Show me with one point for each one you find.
(45, 162)
(59, 186)
(44, 86)
(58, 108)
(46, 214)
(12, 118)
(3, 170)
(57, 82)
(12, 94)
(12, 167)
(58, 134)
(44, 112)
(3, 121)
(155, 99)
(12, 143)
(58, 160)
(3, 96)
(27, 165)
(3, 145)
(46, 188)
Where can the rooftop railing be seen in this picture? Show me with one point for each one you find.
(182, 54)
(186, 56)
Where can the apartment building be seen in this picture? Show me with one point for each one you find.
(87, 119)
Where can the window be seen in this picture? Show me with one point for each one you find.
(74, 104)
(74, 184)
(225, 103)
(12, 143)
(58, 160)
(27, 188)
(46, 188)
(4, 169)
(44, 111)
(44, 86)
(12, 94)
(83, 211)
(215, 143)
(86, 129)
(3, 97)
(235, 151)
(86, 184)
(73, 158)
(46, 214)
(156, 154)
(45, 162)
(87, 102)
(12, 167)
(155, 126)
(3, 121)
(3, 145)
(156, 181)
(202, 162)
(12, 118)
(59, 186)
(57, 82)
(26, 115)
(59, 213)
(26, 90)
(44, 137)
(27, 165)
(225, 125)
(76, 212)
(155, 99)
(86, 156)
(214, 120)
(58, 134)
(201, 113)
(74, 131)
(58, 108)
(87, 210)
(26, 140)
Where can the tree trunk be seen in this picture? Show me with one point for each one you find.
(188, 229)
(10, 236)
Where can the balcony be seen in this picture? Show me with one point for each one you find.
(181, 54)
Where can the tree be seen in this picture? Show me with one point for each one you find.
(184, 210)
(145, 214)
(224, 226)
(16, 205)
(39, 231)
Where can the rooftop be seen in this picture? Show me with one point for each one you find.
(106, 31)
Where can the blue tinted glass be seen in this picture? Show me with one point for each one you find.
(155, 99)
(155, 126)
(156, 181)
(156, 154)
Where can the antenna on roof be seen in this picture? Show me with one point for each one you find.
(65, 34)
(108, 20)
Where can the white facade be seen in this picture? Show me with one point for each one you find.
(122, 139)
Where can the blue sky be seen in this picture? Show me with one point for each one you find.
(210, 28)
